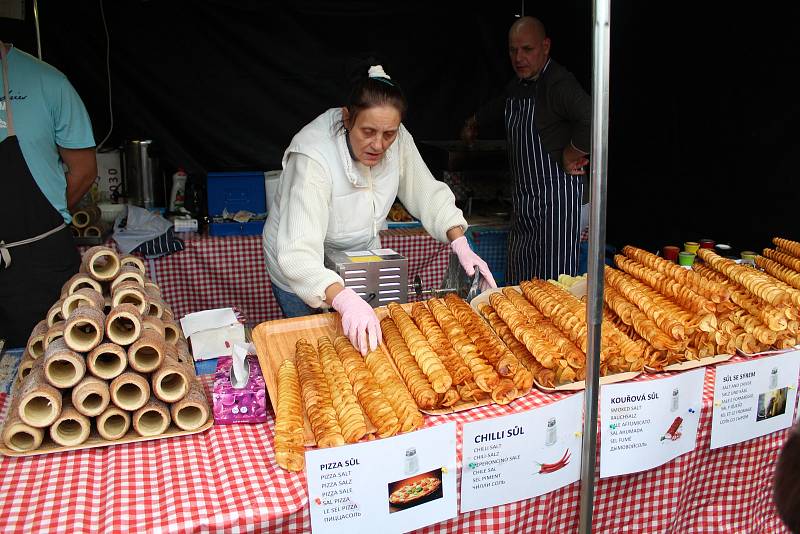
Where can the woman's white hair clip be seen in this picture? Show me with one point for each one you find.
(376, 71)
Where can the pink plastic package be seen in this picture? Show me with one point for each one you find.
(245, 405)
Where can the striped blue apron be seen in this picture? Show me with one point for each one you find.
(545, 230)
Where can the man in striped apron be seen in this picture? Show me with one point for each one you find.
(547, 120)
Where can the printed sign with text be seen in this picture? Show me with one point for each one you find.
(754, 398)
(388, 485)
(519, 456)
(647, 424)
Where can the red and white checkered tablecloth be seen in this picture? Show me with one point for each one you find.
(221, 272)
(225, 480)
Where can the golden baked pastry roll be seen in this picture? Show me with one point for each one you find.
(394, 390)
(84, 328)
(35, 344)
(416, 381)
(191, 412)
(523, 378)
(351, 418)
(369, 393)
(759, 284)
(152, 419)
(101, 263)
(505, 391)
(566, 347)
(288, 441)
(791, 247)
(483, 373)
(665, 285)
(669, 320)
(438, 340)
(787, 260)
(128, 271)
(79, 281)
(450, 398)
(135, 261)
(71, 428)
(708, 288)
(418, 345)
(317, 396)
(487, 342)
(781, 272)
(531, 336)
(642, 324)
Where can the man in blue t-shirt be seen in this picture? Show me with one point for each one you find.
(47, 163)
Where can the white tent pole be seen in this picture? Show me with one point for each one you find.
(597, 246)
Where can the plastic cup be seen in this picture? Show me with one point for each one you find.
(691, 247)
(707, 243)
(685, 259)
(670, 252)
(748, 257)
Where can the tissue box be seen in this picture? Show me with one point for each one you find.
(246, 405)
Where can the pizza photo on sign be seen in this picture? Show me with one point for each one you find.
(416, 490)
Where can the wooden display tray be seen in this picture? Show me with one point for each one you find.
(95, 440)
(275, 342)
(581, 385)
(691, 364)
(770, 352)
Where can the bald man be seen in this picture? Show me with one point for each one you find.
(547, 120)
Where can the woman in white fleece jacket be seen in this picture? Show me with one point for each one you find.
(341, 174)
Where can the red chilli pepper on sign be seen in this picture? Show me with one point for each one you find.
(550, 468)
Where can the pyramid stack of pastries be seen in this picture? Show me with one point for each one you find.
(102, 359)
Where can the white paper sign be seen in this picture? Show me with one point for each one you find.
(519, 456)
(647, 424)
(754, 398)
(390, 485)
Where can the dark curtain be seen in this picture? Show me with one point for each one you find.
(703, 136)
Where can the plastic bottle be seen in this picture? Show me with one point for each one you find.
(177, 195)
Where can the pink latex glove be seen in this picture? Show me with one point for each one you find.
(469, 260)
(359, 321)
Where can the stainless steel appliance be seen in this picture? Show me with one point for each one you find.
(144, 184)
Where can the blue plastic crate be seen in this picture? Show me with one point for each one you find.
(492, 246)
(236, 191)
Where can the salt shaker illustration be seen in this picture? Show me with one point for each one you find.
(551, 436)
(675, 403)
(773, 378)
(412, 461)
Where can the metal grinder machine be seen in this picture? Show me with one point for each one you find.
(381, 276)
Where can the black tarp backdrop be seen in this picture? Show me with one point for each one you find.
(703, 122)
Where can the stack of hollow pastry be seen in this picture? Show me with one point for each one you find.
(87, 365)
